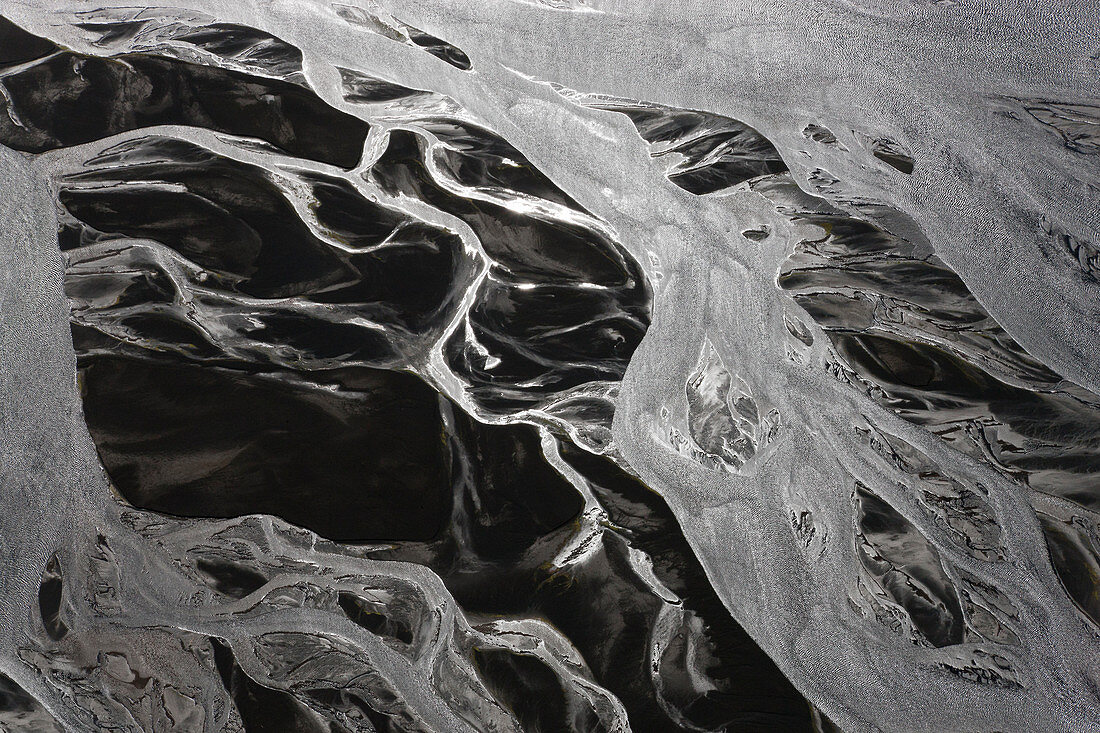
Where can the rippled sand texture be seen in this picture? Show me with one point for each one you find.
(550, 366)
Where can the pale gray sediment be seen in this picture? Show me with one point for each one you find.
(550, 366)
